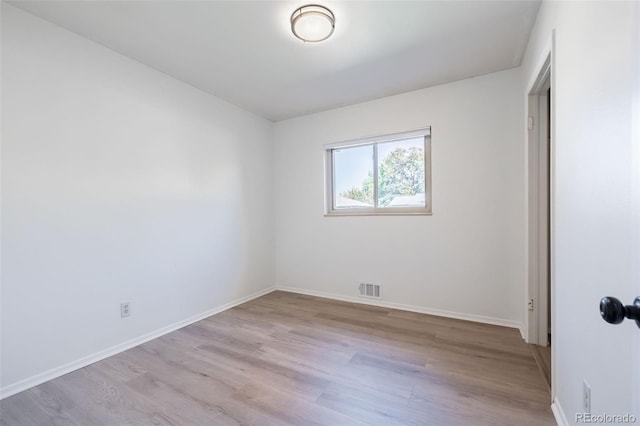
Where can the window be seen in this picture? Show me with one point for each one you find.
(388, 174)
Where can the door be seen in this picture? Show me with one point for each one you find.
(595, 209)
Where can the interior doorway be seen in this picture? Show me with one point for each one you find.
(544, 213)
(540, 229)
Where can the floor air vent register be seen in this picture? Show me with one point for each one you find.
(370, 290)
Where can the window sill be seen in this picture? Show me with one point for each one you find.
(381, 212)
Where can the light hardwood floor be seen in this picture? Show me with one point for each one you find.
(288, 359)
(542, 355)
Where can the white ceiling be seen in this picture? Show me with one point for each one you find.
(244, 52)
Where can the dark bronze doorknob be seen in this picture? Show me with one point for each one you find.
(614, 312)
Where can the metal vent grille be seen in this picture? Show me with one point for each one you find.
(370, 290)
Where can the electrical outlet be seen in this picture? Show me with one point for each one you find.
(530, 304)
(125, 309)
(586, 397)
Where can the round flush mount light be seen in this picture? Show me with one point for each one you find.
(312, 23)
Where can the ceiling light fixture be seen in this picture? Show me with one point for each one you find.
(312, 23)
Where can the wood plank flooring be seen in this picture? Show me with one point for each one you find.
(289, 359)
(542, 355)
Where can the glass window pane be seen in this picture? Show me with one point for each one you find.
(401, 173)
(353, 177)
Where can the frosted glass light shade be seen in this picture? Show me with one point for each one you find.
(312, 23)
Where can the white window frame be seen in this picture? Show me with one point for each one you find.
(330, 209)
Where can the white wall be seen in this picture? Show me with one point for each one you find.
(118, 183)
(594, 169)
(468, 258)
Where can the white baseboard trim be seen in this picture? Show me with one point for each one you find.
(558, 413)
(40, 378)
(411, 308)
(523, 333)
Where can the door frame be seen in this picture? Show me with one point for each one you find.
(538, 150)
(537, 267)
(635, 149)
